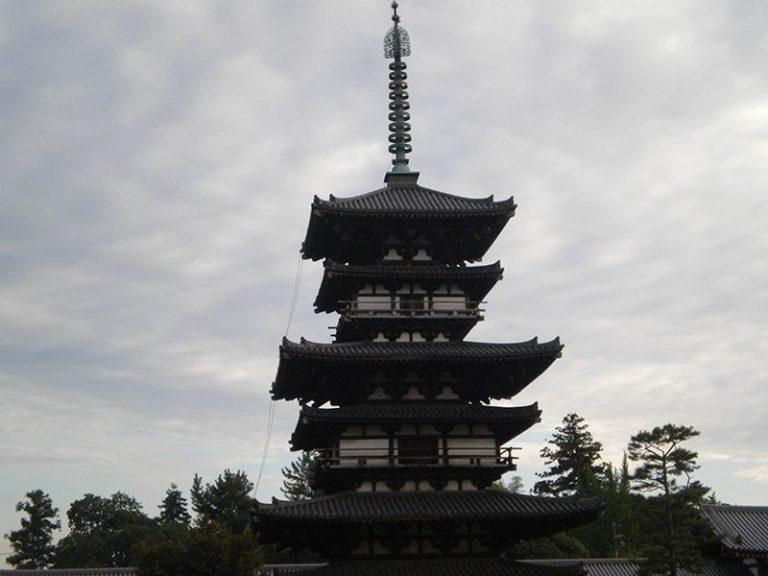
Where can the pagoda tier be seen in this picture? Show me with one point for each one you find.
(421, 524)
(342, 283)
(387, 300)
(353, 372)
(444, 567)
(404, 221)
(411, 446)
(317, 427)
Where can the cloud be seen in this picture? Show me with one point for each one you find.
(157, 163)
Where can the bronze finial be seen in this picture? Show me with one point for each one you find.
(397, 45)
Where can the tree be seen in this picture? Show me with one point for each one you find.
(226, 501)
(573, 459)
(676, 530)
(173, 509)
(33, 543)
(297, 477)
(103, 532)
(207, 550)
(93, 513)
(514, 485)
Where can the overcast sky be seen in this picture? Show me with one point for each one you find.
(158, 160)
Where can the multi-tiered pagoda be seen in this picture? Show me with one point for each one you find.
(397, 407)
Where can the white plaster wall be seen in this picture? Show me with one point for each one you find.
(375, 451)
(472, 451)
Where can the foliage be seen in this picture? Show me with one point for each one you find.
(104, 532)
(297, 477)
(95, 514)
(573, 458)
(211, 549)
(675, 529)
(173, 509)
(514, 485)
(226, 501)
(32, 544)
(561, 545)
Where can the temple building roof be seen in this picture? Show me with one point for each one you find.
(462, 351)
(345, 370)
(318, 426)
(341, 281)
(331, 232)
(450, 506)
(743, 529)
(403, 196)
(443, 567)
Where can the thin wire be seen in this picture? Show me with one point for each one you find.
(267, 438)
(271, 413)
(295, 296)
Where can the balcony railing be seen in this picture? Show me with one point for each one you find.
(386, 458)
(408, 309)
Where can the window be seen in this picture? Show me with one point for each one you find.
(412, 302)
(417, 450)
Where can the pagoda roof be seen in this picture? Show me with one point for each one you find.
(328, 372)
(331, 232)
(461, 351)
(406, 198)
(434, 506)
(340, 280)
(317, 427)
(442, 567)
(743, 529)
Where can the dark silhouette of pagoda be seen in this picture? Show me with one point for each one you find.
(410, 445)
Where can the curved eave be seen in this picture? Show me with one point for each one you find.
(448, 506)
(326, 215)
(350, 352)
(327, 372)
(340, 281)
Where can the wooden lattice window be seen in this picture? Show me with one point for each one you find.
(417, 450)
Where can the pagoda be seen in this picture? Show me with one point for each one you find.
(397, 407)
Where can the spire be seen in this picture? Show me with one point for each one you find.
(397, 45)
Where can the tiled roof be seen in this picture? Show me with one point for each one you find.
(425, 413)
(631, 566)
(413, 200)
(413, 271)
(489, 567)
(128, 571)
(439, 567)
(743, 529)
(461, 351)
(428, 506)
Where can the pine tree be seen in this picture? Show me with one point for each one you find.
(297, 477)
(573, 459)
(33, 542)
(226, 501)
(677, 530)
(173, 509)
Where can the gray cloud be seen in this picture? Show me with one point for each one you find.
(157, 162)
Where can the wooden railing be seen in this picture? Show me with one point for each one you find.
(395, 308)
(385, 457)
